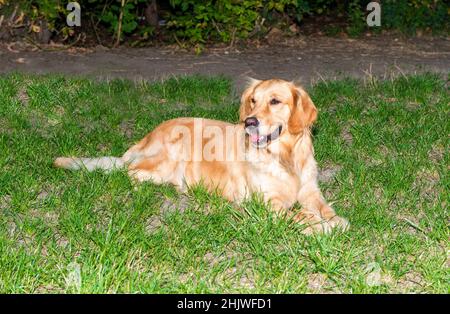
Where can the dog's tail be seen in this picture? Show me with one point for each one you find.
(90, 164)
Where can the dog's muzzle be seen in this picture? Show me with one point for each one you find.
(257, 139)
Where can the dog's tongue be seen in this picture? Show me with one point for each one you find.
(255, 137)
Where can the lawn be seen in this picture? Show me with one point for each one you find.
(382, 147)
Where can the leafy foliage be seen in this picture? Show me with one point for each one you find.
(202, 21)
(409, 16)
(130, 18)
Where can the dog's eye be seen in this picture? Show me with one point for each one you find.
(253, 100)
(275, 101)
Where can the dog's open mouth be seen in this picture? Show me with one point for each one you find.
(261, 140)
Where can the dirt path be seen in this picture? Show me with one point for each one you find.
(307, 59)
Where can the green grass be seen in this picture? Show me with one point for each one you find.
(386, 143)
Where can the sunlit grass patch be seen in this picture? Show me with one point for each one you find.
(383, 148)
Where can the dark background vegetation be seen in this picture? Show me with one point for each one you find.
(196, 23)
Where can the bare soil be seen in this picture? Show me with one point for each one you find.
(304, 58)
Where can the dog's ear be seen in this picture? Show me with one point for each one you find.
(303, 113)
(246, 99)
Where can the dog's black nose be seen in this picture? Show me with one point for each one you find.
(251, 121)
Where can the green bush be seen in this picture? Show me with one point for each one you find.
(409, 16)
(130, 17)
(101, 12)
(203, 21)
(34, 11)
(200, 21)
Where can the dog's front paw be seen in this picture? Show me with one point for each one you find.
(316, 228)
(338, 222)
(315, 224)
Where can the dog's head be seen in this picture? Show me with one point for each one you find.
(275, 108)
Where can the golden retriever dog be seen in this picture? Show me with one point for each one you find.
(269, 152)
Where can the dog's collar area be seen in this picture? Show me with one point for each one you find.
(261, 140)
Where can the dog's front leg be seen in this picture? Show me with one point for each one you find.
(278, 207)
(319, 216)
(313, 222)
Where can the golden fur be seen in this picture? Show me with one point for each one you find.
(224, 158)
